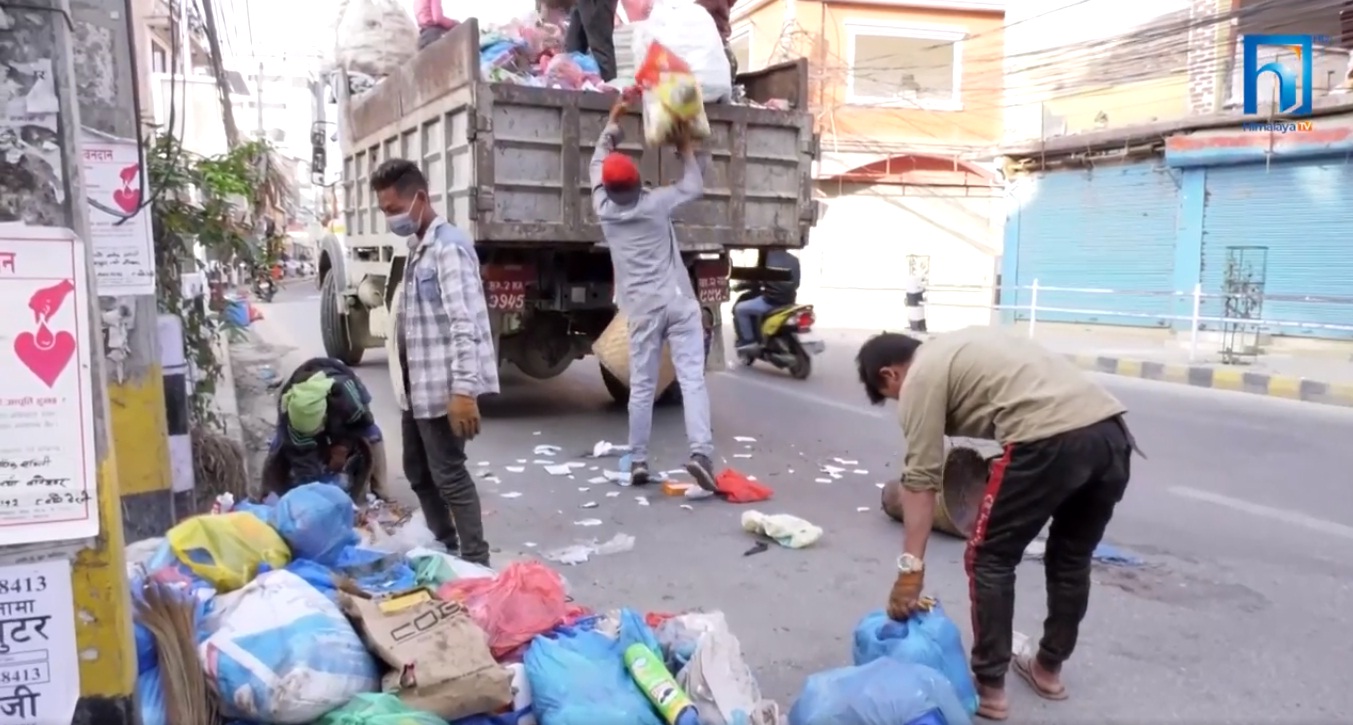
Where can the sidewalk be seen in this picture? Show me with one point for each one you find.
(1316, 376)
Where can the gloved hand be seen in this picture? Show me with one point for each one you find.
(463, 412)
(905, 599)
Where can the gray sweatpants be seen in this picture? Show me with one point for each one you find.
(679, 325)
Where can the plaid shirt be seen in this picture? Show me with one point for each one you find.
(443, 320)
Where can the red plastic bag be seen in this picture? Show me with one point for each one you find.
(734, 487)
(658, 62)
(524, 600)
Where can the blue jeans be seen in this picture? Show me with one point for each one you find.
(746, 314)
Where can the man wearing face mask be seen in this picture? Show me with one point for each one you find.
(445, 349)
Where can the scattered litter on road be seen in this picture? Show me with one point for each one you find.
(603, 449)
(515, 469)
(822, 480)
(597, 479)
(832, 470)
(529, 544)
(695, 493)
(880, 485)
(674, 472)
(787, 530)
(862, 509)
(1103, 554)
(742, 455)
(588, 522)
(535, 432)
(643, 500)
(612, 494)
(676, 488)
(582, 551)
(558, 470)
(483, 463)
(584, 489)
(542, 462)
(576, 464)
(744, 439)
(521, 460)
(620, 477)
(511, 494)
(688, 507)
(791, 470)
(845, 462)
(588, 505)
(757, 548)
(860, 472)
(546, 449)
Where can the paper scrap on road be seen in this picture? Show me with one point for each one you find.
(576, 464)
(559, 470)
(598, 479)
(483, 463)
(862, 509)
(822, 480)
(744, 439)
(584, 489)
(880, 485)
(515, 469)
(588, 522)
(620, 477)
(529, 544)
(612, 494)
(582, 551)
(588, 505)
(511, 494)
(643, 500)
(832, 470)
(546, 449)
(742, 455)
(521, 460)
(845, 462)
(542, 462)
(860, 472)
(535, 432)
(603, 449)
(688, 507)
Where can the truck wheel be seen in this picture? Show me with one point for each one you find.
(333, 327)
(620, 392)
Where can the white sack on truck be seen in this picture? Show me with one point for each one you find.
(373, 37)
(688, 31)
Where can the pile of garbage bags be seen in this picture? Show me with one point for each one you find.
(307, 609)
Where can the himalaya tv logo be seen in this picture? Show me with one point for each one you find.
(1296, 93)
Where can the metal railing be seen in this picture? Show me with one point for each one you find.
(1198, 321)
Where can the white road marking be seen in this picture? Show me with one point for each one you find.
(1295, 518)
(781, 388)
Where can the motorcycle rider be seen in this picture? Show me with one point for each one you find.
(747, 314)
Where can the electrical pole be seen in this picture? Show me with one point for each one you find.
(42, 38)
(218, 71)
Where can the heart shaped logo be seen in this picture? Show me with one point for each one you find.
(128, 199)
(46, 361)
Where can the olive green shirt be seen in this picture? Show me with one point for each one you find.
(982, 382)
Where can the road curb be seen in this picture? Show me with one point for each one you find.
(227, 399)
(1287, 387)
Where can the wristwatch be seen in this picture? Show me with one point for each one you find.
(908, 564)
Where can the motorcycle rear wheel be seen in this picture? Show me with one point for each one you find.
(802, 366)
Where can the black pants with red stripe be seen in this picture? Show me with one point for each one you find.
(1075, 479)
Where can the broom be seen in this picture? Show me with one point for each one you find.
(169, 614)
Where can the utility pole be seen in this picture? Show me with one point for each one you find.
(218, 71)
(43, 37)
(258, 97)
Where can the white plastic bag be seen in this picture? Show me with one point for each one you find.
(284, 653)
(718, 680)
(689, 32)
(373, 37)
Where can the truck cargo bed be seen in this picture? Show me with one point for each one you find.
(510, 162)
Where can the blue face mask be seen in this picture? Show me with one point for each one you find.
(403, 224)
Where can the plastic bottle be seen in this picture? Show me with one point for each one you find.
(659, 686)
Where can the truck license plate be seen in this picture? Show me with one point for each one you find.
(505, 285)
(711, 279)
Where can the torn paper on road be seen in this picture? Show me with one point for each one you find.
(588, 522)
(603, 449)
(582, 551)
(547, 450)
(515, 469)
(744, 439)
(559, 470)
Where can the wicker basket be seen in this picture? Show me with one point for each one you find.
(613, 351)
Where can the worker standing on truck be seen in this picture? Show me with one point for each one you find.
(591, 29)
(1067, 455)
(446, 353)
(653, 290)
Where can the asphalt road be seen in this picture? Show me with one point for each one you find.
(1242, 513)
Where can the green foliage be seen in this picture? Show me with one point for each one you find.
(212, 202)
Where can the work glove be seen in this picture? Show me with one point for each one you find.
(905, 599)
(463, 412)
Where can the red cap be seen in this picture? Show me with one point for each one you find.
(619, 171)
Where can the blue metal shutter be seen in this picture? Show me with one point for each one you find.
(1302, 212)
(1111, 227)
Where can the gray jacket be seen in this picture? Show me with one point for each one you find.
(649, 273)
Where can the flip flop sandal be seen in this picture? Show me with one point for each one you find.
(1023, 666)
(993, 713)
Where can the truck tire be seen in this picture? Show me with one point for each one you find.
(620, 392)
(333, 327)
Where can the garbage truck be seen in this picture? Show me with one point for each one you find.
(508, 163)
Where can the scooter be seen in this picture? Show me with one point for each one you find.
(264, 288)
(786, 341)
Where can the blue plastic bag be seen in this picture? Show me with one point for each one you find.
(146, 656)
(927, 638)
(315, 520)
(579, 677)
(587, 64)
(150, 698)
(883, 692)
(376, 572)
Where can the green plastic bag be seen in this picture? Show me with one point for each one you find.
(378, 709)
(432, 571)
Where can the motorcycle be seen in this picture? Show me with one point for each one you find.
(264, 287)
(785, 339)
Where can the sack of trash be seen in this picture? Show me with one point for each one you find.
(883, 692)
(439, 657)
(688, 32)
(925, 638)
(226, 550)
(712, 671)
(378, 709)
(284, 653)
(316, 520)
(579, 677)
(672, 97)
(526, 599)
(373, 37)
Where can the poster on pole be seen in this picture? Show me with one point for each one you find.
(39, 669)
(119, 216)
(48, 484)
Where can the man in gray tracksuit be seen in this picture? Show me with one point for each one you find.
(653, 290)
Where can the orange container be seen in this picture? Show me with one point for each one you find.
(675, 488)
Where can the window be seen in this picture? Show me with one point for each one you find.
(740, 40)
(904, 66)
(159, 60)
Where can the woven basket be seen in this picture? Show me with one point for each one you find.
(613, 351)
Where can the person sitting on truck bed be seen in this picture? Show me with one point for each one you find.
(432, 22)
(653, 290)
(445, 349)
